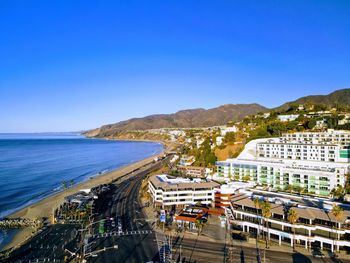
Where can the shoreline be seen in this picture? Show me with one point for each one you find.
(45, 207)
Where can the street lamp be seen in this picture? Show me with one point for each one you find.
(94, 253)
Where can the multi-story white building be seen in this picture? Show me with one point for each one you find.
(168, 191)
(315, 226)
(315, 162)
(317, 178)
(331, 136)
(332, 146)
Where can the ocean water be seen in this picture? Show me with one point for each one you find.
(33, 166)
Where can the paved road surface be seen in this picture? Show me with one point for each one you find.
(123, 203)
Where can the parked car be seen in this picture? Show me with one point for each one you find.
(317, 253)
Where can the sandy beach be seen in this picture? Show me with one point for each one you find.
(45, 207)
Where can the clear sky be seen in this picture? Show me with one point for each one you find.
(74, 65)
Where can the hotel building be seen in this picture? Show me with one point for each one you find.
(314, 161)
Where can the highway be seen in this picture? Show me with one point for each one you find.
(136, 240)
(124, 204)
(131, 248)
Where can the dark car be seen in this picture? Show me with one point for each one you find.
(317, 253)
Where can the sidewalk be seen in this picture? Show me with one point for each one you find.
(214, 230)
(286, 248)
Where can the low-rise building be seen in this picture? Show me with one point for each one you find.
(301, 107)
(189, 216)
(186, 160)
(219, 140)
(226, 129)
(266, 115)
(199, 142)
(289, 117)
(321, 124)
(192, 171)
(314, 226)
(167, 191)
(345, 120)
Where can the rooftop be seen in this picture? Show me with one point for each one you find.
(307, 212)
(290, 163)
(165, 181)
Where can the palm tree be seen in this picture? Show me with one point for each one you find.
(338, 192)
(257, 204)
(337, 212)
(199, 224)
(292, 219)
(289, 188)
(266, 213)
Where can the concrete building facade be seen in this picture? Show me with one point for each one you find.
(315, 162)
(169, 191)
(314, 226)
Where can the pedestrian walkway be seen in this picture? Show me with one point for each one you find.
(126, 233)
(214, 230)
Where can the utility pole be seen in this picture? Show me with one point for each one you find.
(180, 253)
(264, 255)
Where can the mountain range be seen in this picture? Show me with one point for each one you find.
(337, 98)
(216, 116)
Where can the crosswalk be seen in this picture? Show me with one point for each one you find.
(121, 233)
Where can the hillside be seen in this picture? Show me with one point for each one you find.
(216, 116)
(338, 98)
(182, 119)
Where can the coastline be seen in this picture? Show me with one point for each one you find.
(46, 206)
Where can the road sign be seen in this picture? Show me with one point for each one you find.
(162, 217)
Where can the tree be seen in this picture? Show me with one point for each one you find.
(347, 184)
(311, 123)
(266, 213)
(292, 219)
(199, 225)
(337, 212)
(289, 188)
(246, 178)
(230, 137)
(257, 204)
(230, 154)
(204, 155)
(276, 128)
(338, 192)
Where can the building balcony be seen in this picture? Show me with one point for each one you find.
(289, 233)
(313, 227)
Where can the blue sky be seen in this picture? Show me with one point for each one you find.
(74, 65)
